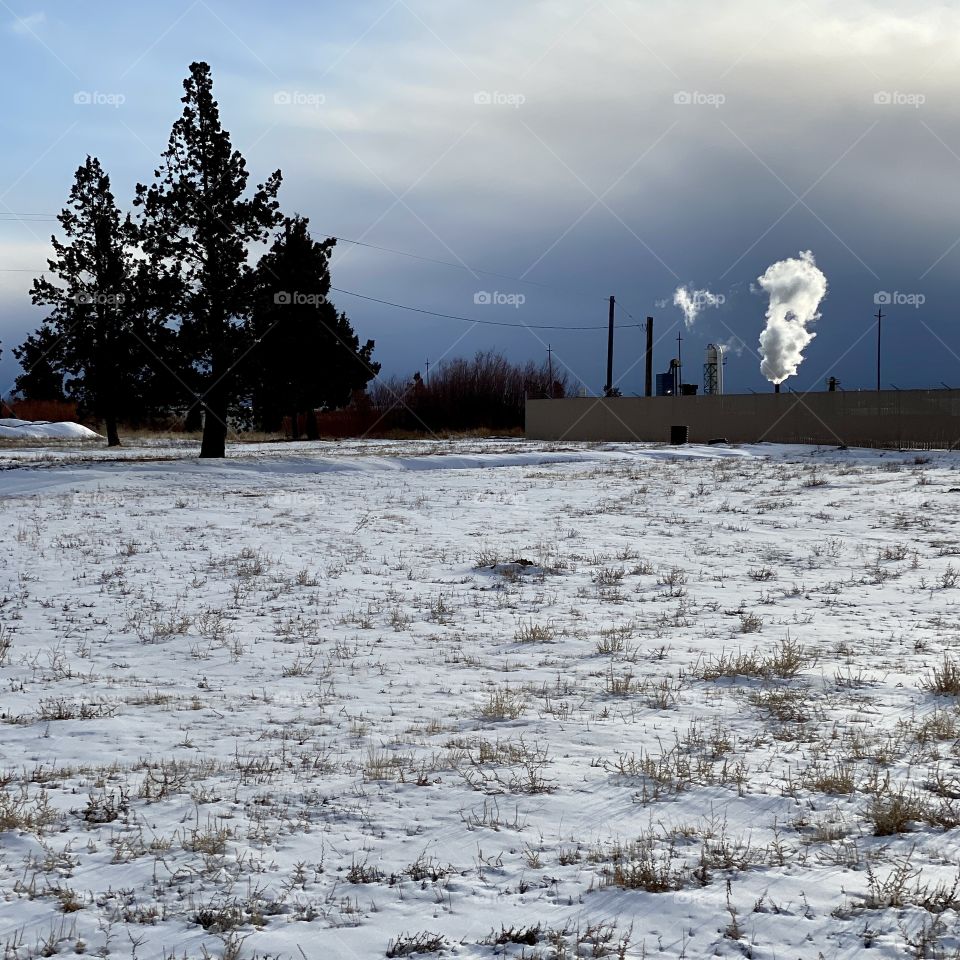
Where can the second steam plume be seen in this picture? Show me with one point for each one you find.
(795, 287)
(691, 302)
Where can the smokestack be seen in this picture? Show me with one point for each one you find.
(609, 387)
(776, 388)
(648, 392)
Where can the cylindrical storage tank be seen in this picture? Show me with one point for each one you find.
(713, 370)
(679, 435)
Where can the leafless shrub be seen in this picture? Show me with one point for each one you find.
(363, 873)
(525, 935)
(641, 865)
(609, 576)
(944, 680)
(524, 774)
(408, 944)
(167, 778)
(674, 577)
(534, 633)
(60, 708)
(785, 705)
(488, 815)
(384, 765)
(783, 662)
(660, 696)
(210, 840)
(221, 916)
(891, 890)
(595, 940)
(20, 811)
(895, 551)
(487, 557)
(613, 642)
(427, 868)
(838, 778)
(249, 563)
(814, 478)
(619, 684)
(212, 625)
(897, 809)
(439, 610)
(502, 704)
(949, 578)
(157, 625)
(399, 619)
(105, 807)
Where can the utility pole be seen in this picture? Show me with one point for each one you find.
(648, 386)
(550, 368)
(879, 319)
(608, 389)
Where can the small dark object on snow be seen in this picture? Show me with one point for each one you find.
(716, 440)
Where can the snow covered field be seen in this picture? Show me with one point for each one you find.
(483, 699)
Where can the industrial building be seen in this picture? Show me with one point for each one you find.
(908, 419)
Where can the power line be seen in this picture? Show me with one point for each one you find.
(42, 217)
(35, 217)
(464, 266)
(469, 269)
(490, 323)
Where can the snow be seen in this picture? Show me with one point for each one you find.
(319, 697)
(12, 429)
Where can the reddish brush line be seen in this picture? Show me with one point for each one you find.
(52, 410)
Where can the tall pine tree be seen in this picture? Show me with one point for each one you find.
(308, 354)
(196, 227)
(88, 333)
(41, 362)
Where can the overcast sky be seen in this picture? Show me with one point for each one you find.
(576, 149)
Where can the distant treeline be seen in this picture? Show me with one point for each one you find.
(487, 392)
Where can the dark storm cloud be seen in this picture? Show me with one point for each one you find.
(580, 149)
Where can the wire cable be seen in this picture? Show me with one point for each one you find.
(490, 323)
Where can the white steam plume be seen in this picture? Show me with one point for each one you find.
(691, 302)
(795, 287)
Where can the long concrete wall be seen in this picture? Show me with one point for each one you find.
(888, 418)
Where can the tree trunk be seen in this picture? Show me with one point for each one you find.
(312, 424)
(294, 426)
(193, 422)
(214, 443)
(113, 438)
